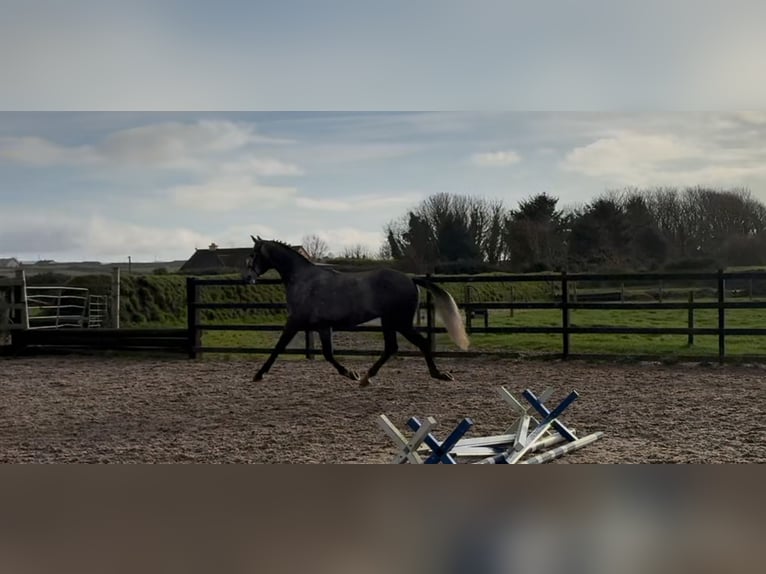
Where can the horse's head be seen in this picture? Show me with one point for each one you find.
(259, 262)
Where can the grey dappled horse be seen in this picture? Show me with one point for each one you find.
(320, 299)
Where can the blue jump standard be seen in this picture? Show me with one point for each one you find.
(550, 416)
(441, 450)
(544, 412)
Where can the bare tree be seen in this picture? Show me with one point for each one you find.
(357, 251)
(316, 247)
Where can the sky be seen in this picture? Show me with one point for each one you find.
(511, 98)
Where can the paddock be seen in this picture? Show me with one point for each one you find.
(91, 409)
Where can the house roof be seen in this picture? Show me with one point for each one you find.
(8, 261)
(221, 258)
(217, 259)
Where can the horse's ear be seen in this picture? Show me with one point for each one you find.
(259, 238)
(254, 239)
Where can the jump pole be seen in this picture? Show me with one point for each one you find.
(563, 449)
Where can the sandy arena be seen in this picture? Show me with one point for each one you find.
(129, 410)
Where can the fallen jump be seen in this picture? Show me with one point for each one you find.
(517, 445)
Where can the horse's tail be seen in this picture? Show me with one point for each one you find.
(448, 312)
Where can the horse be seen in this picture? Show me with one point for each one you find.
(321, 299)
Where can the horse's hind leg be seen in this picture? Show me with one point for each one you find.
(325, 336)
(421, 343)
(390, 348)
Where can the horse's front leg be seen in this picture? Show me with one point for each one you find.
(287, 335)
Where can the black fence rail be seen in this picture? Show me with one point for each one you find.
(564, 298)
(82, 339)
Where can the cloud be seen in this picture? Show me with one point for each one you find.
(61, 237)
(496, 158)
(342, 153)
(39, 152)
(239, 235)
(359, 203)
(753, 117)
(633, 158)
(630, 158)
(204, 145)
(230, 194)
(174, 144)
(268, 167)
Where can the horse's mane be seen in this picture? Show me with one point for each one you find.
(290, 247)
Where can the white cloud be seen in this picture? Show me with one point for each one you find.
(324, 204)
(239, 235)
(173, 144)
(341, 153)
(109, 237)
(204, 145)
(755, 117)
(230, 194)
(633, 158)
(630, 158)
(260, 167)
(40, 152)
(359, 203)
(496, 158)
(52, 235)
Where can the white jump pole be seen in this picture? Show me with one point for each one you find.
(563, 449)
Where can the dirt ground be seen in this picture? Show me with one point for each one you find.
(130, 410)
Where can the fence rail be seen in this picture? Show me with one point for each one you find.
(85, 339)
(564, 299)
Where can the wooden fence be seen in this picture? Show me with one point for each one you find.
(567, 295)
(564, 300)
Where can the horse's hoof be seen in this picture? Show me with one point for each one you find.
(364, 381)
(353, 375)
(257, 378)
(444, 377)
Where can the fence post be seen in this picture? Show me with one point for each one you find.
(511, 305)
(565, 314)
(115, 310)
(721, 317)
(21, 298)
(5, 314)
(192, 317)
(690, 340)
(430, 318)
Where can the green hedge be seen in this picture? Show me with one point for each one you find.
(160, 299)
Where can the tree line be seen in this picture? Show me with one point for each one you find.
(632, 229)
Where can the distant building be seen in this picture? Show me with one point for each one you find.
(215, 259)
(10, 263)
